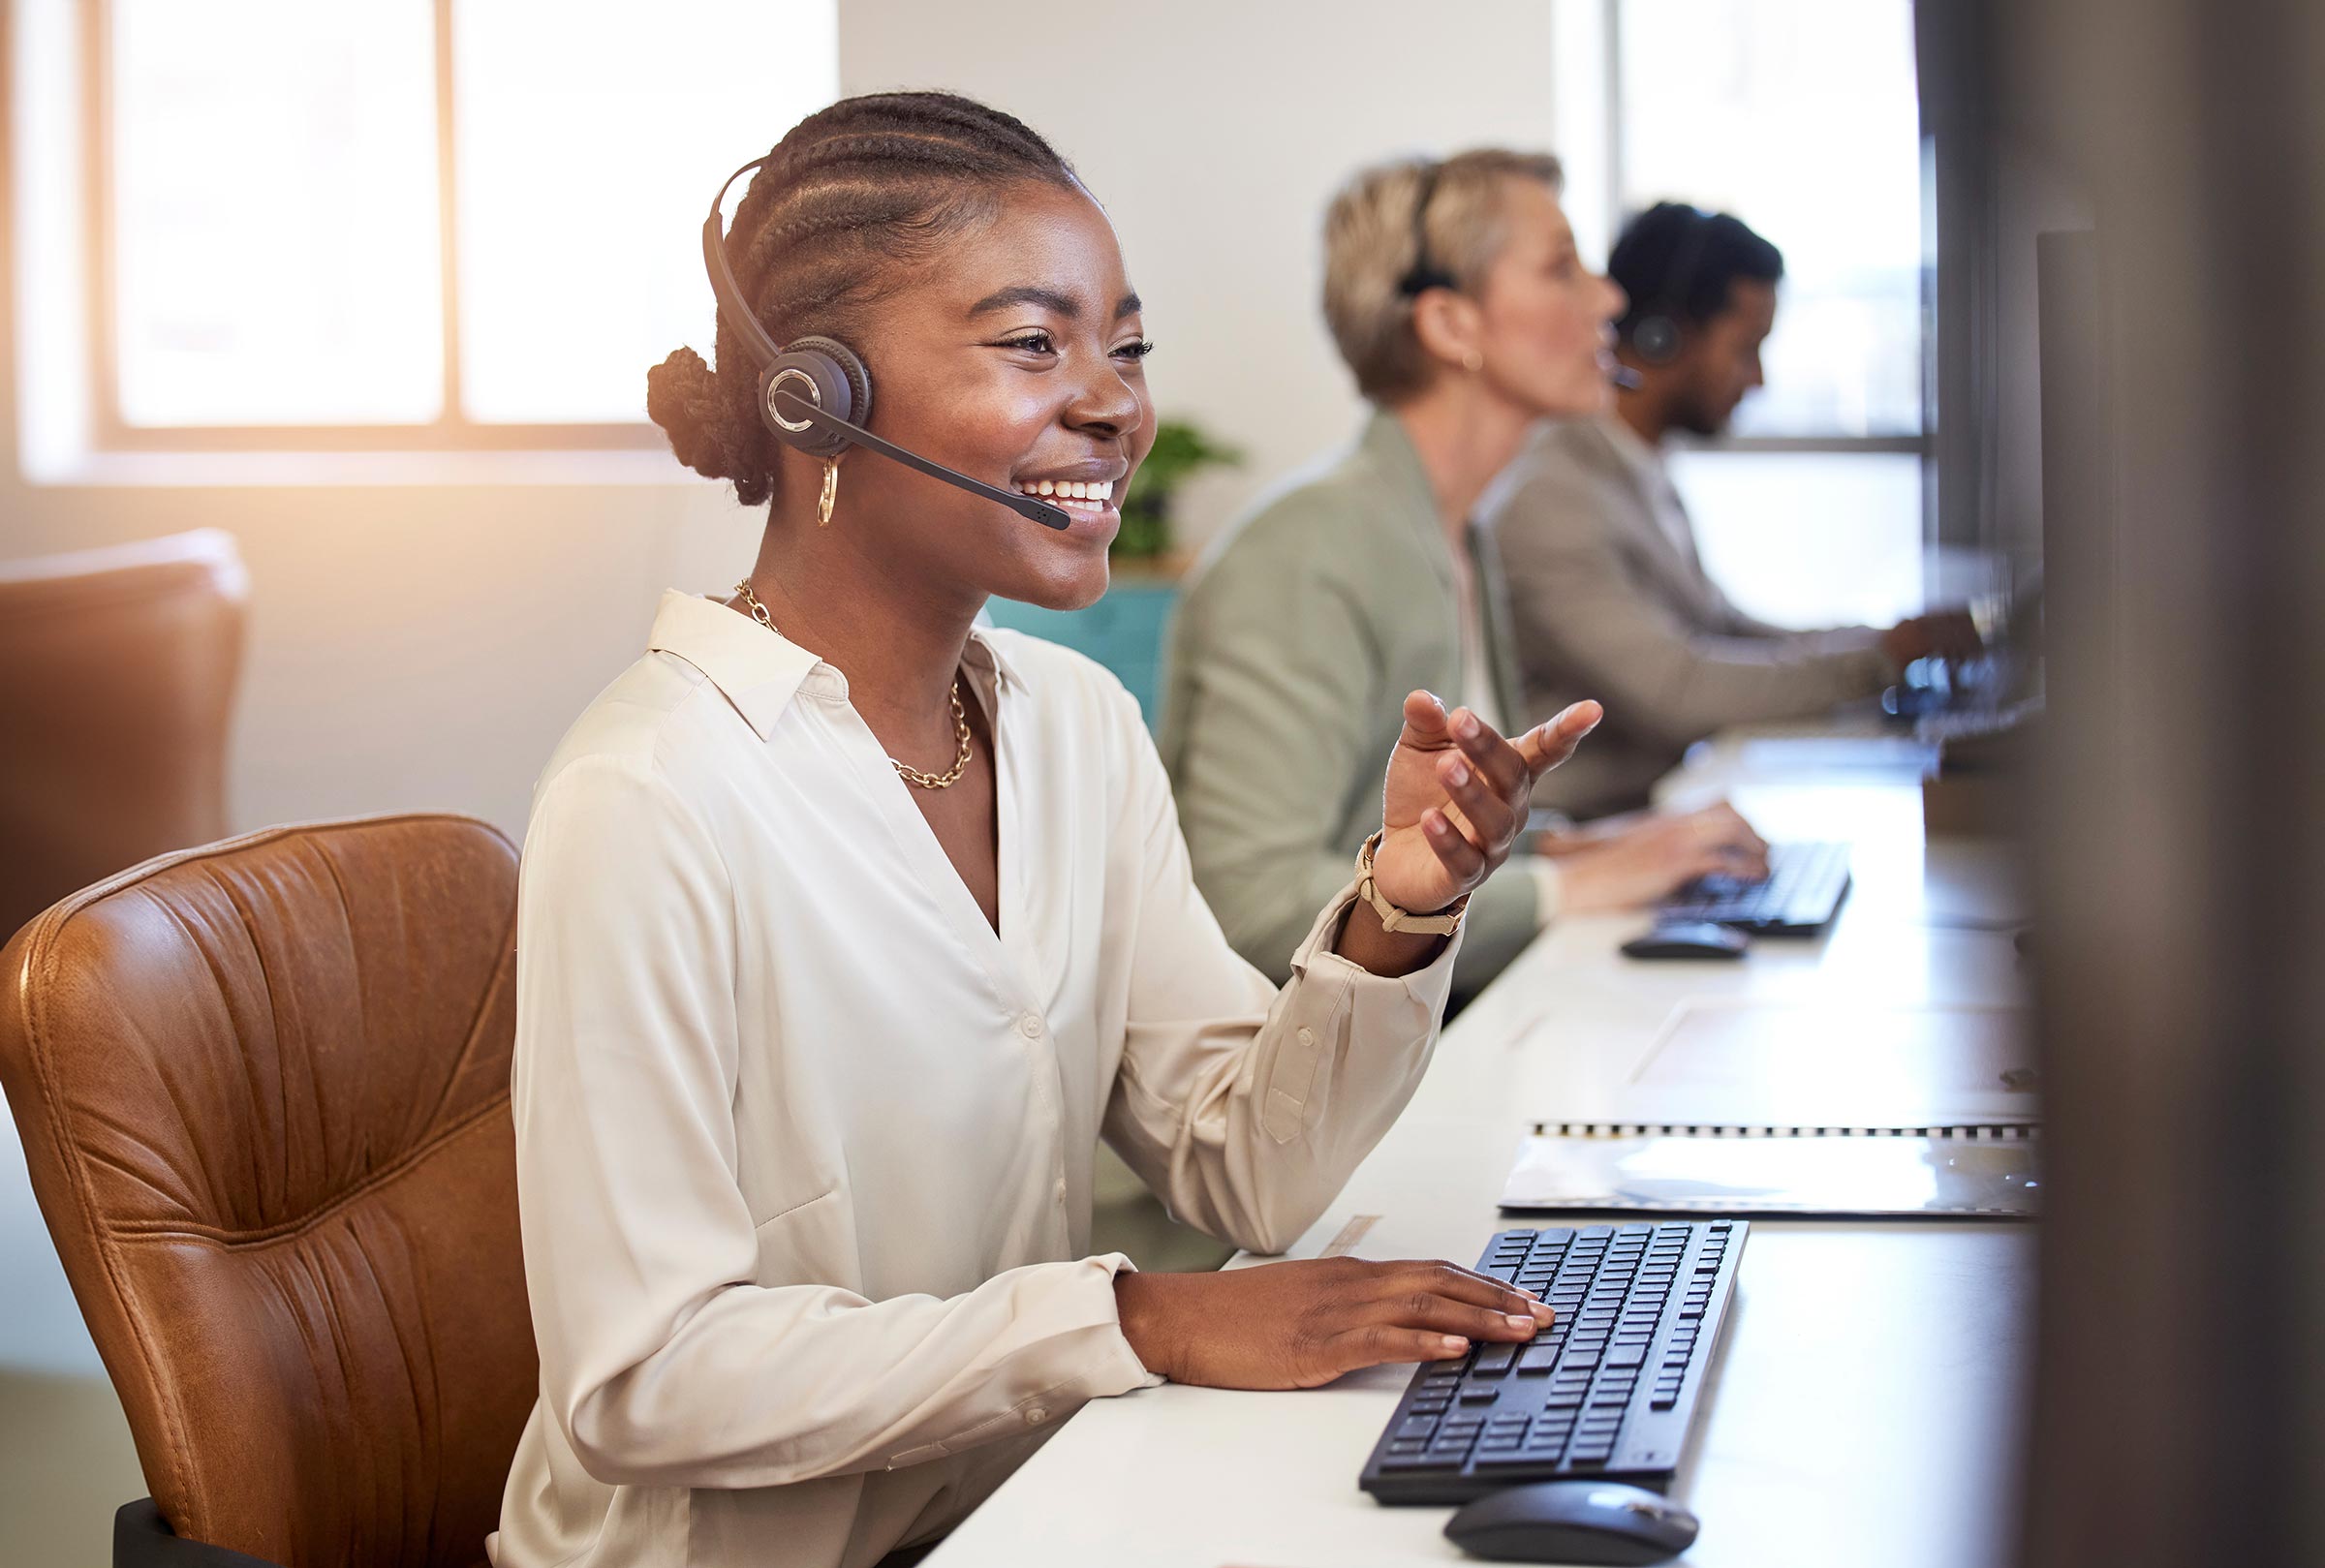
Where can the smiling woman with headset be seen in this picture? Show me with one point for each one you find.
(846, 928)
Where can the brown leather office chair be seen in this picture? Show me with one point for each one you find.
(264, 1092)
(118, 670)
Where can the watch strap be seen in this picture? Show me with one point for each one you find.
(1443, 923)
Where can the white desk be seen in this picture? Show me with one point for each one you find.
(1863, 1402)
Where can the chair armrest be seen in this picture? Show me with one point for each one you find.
(143, 1539)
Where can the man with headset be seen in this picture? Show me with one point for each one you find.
(1608, 594)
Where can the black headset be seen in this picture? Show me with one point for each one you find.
(816, 395)
(1424, 274)
(1656, 337)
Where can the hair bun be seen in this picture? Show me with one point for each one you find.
(709, 432)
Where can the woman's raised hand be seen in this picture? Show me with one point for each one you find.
(1456, 798)
(1296, 1325)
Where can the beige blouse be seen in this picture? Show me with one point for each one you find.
(804, 1147)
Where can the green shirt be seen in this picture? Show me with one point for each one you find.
(1294, 645)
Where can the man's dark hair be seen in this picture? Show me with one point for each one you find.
(853, 197)
(1679, 260)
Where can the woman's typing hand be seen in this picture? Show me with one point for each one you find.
(1652, 856)
(1300, 1324)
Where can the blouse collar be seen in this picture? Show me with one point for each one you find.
(758, 672)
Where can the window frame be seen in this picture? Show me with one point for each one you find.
(451, 430)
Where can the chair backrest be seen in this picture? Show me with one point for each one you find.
(117, 671)
(264, 1092)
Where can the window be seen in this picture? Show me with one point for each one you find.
(417, 224)
(1802, 117)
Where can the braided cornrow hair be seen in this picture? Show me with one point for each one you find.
(850, 197)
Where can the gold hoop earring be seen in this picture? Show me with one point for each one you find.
(831, 492)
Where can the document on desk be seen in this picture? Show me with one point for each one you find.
(1964, 1171)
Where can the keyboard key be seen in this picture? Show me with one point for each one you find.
(1539, 1357)
(1494, 1359)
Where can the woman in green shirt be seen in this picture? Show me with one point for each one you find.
(1455, 295)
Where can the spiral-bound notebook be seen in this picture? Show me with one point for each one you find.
(1987, 1169)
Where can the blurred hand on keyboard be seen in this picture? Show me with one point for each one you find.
(1656, 855)
(1304, 1323)
(1943, 634)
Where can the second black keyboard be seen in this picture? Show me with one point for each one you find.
(1801, 893)
(1607, 1389)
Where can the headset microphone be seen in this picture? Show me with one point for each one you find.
(816, 395)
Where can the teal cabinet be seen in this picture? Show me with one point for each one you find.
(1122, 631)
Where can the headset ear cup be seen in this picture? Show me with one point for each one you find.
(1656, 339)
(856, 380)
(827, 374)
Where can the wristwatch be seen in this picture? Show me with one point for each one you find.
(1443, 923)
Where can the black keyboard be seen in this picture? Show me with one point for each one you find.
(1607, 1389)
(1801, 893)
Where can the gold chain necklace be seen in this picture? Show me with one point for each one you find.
(916, 777)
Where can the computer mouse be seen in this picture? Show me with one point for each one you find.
(1688, 939)
(1589, 1521)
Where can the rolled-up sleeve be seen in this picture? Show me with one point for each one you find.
(1243, 1105)
(662, 1359)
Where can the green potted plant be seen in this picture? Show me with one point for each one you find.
(1180, 450)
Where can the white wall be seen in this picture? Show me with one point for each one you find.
(423, 645)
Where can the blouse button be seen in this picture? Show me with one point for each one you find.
(1035, 1415)
(1030, 1026)
(1307, 1036)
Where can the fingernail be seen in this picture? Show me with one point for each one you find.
(1543, 1313)
(1459, 773)
(1519, 1320)
(1434, 826)
(1467, 723)
(1454, 1341)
